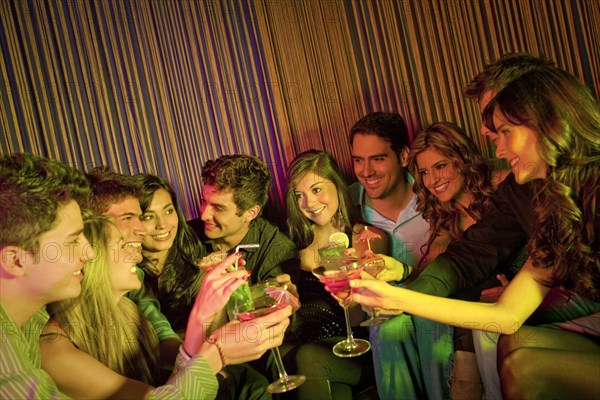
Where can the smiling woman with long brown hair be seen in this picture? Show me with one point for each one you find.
(546, 124)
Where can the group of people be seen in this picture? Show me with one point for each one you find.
(102, 293)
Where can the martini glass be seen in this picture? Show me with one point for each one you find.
(268, 297)
(337, 276)
(373, 266)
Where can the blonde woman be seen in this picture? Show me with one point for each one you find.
(100, 346)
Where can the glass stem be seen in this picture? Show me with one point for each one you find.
(279, 363)
(349, 338)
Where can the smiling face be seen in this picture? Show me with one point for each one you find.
(317, 198)
(55, 271)
(440, 176)
(518, 144)
(160, 220)
(123, 260)
(126, 214)
(219, 214)
(376, 166)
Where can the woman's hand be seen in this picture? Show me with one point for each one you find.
(247, 341)
(217, 287)
(375, 293)
(215, 291)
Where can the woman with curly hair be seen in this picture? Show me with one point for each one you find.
(453, 183)
(546, 124)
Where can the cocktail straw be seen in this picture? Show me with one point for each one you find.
(243, 246)
(283, 289)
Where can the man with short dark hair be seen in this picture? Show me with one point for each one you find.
(116, 195)
(380, 144)
(42, 251)
(236, 189)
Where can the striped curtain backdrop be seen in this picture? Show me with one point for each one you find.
(163, 86)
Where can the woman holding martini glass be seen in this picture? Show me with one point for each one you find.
(320, 213)
(175, 270)
(545, 124)
(87, 347)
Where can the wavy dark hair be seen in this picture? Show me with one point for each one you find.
(497, 75)
(322, 164)
(451, 141)
(32, 190)
(566, 117)
(246, 176)
(180, 277)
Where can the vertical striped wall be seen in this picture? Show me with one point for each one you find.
(162, 86)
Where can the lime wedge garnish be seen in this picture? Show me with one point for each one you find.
(340, 238)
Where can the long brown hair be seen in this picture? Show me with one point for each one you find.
(322, 164)
(566, 117)
(451, 141)
(181, 278)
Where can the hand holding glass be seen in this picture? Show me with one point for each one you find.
(268, 297)
(373, 266)
(337, 276)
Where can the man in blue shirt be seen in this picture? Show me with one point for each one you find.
(380, 146)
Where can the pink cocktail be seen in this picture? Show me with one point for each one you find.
(338, 281)
(266, 298)
(373, 266)
(336, 277)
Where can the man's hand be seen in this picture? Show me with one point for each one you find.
(286, 279)
(394, 269)
(492, 295)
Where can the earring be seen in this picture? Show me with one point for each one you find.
(340, 219)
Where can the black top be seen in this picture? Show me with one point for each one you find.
(176, 302)
(502, 230)
(492, 241)
(320, 315)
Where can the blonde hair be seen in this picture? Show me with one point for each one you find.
(116, 334)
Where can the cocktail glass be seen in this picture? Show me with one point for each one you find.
(373, 266)
(337, 276)
(268, 297)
